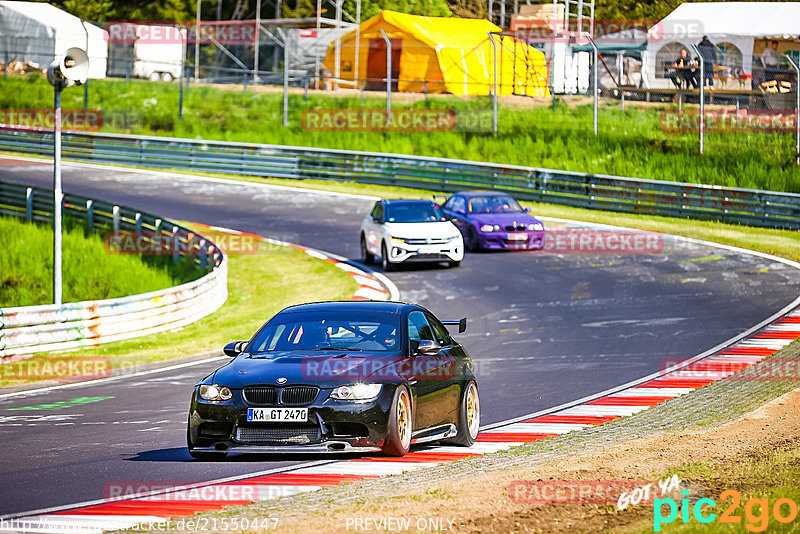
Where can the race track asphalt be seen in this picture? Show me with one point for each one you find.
(544, 329)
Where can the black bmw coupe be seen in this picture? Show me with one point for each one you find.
(352, 376)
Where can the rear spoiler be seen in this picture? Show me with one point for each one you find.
(462, 324)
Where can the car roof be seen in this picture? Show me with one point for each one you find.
(483, 193)
(351, 305)
(408, 201)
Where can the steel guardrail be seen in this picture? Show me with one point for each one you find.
(29, 329)
(595, 191)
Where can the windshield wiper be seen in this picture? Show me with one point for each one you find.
(337, 348)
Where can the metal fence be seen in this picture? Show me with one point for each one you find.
(30, 329)
(630, 195)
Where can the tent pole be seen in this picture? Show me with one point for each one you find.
(358, 41)
(494, 95)
(388, 76)
(796, 105)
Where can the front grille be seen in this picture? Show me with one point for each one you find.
(279, 435)
(426, 241)
(515, 227)
(261, 395)
(298, 395)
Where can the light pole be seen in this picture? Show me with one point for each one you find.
(702, 96)
(71, 69)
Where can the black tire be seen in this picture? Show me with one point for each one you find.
(469, 417)
(203, 455)
(454, 264)
(398, 431)
(385, 263)
(366, 256)
(473, 245)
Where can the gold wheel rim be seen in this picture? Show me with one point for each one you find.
(473, 412)
(403, 420)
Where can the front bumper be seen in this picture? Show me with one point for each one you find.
(331, 426)
(534, 240)
(401, 252)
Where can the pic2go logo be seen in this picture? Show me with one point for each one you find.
(756, 511)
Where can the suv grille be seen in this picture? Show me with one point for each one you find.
(298, 395)
(280, 435)
(261, 395)
(426, 241)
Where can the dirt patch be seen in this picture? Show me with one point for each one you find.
(483, 504)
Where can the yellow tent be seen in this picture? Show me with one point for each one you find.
(440, 54)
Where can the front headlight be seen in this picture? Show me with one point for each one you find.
(490, 228)
(397, 240)
(357, 392)
(215, 393)
(536, 226)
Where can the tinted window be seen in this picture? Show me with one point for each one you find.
(418, 327)
(493, 204)
(410, 212)
(456, 203)
(439, 331)
(328, 331)
(377, 211)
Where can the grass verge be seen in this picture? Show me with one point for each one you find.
(258, 286)
(88, 271)
(630, 143)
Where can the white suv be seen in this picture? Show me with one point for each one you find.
(409, 230)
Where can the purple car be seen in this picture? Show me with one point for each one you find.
(491, 220)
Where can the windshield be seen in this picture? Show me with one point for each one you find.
(323, 331)
(493, 204)
(413, 212)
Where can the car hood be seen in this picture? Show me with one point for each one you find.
(503, 218)
(443, 229)
(325, 369)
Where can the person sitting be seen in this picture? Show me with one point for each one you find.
(684, 71)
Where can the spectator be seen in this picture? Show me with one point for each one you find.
(684, 70)
(769, 57)
(708, 51)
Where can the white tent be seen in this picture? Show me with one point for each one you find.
(734, 27)
(38, 32)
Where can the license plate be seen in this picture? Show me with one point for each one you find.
(427, 250)
(256, 415)
(518, 236)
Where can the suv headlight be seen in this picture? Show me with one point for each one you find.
(215, 393)
(536, 226)
(357, 392)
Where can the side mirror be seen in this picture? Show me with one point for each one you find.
(461, 212)
(424, 346)
(234, 348)
(377, 220)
